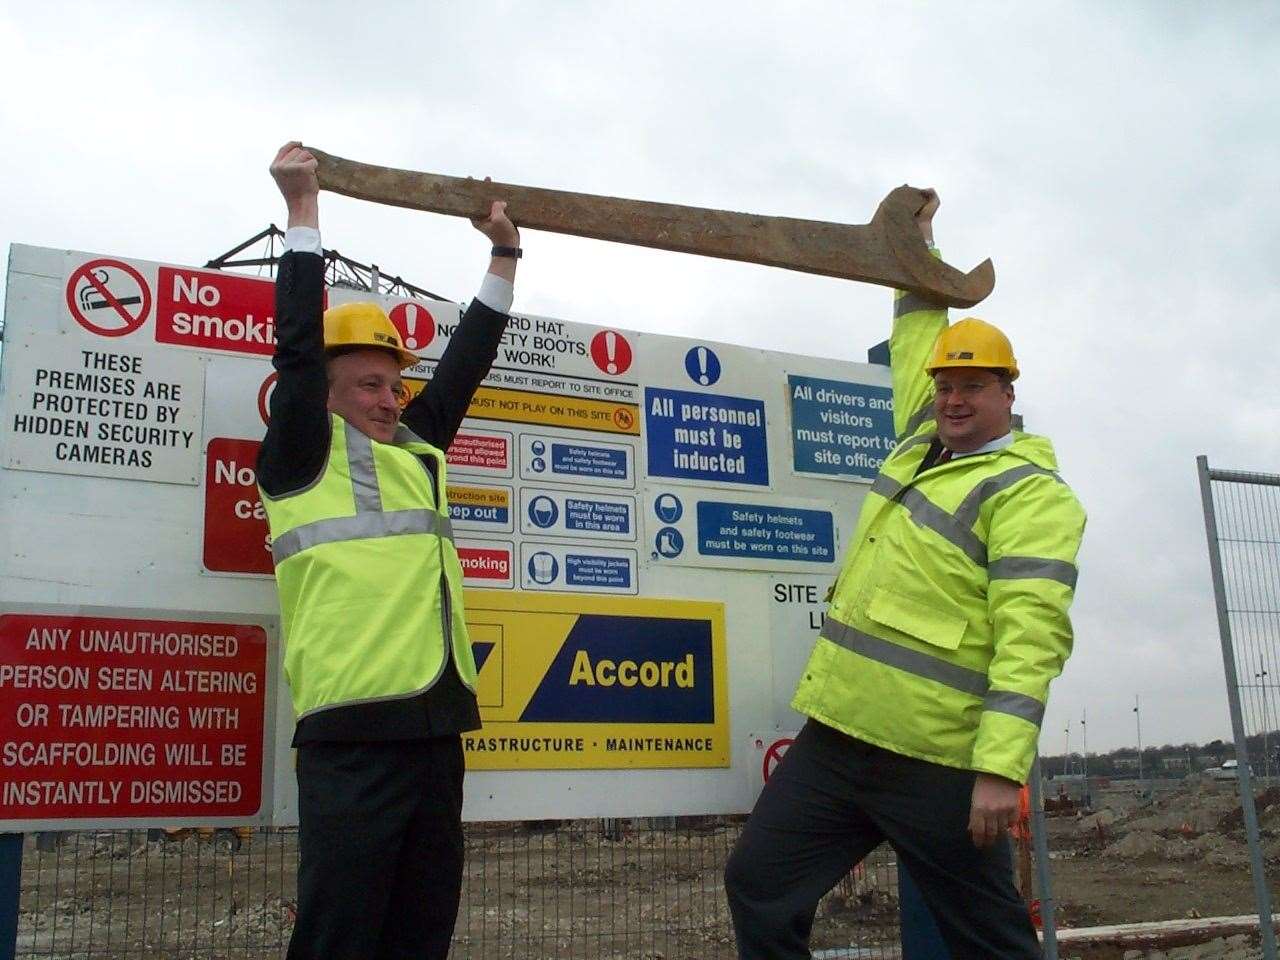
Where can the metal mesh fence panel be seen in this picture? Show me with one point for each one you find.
(568, 890)
(1242, 525)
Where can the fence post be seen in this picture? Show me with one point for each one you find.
(1044, 881)
(10, 888)
(1262, 896)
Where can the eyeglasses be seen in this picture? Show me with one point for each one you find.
(963, 390)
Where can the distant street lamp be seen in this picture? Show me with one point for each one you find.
(1084, 753)
(1066, 751)
(1137, 716)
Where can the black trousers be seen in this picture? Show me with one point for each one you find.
(828, 804)
(380, 849)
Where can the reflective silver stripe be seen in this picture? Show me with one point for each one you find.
(967, 512)
(912, 302)
(362, 526)
(914, 662)
(928, 514)
(922, 415)
(907, 444)
(886, 486)
(364, 479)
(1033, 568)
(1015, 704)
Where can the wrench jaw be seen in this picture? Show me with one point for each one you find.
(920, 271)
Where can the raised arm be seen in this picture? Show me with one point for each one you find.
(297, 439)
(437, 411)
(916, 325)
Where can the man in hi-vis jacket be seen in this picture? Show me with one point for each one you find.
(927, 685)
(376, 648)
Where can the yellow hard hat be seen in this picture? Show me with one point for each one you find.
(973, 343)
(364, 325)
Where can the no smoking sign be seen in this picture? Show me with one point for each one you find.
(108, 298)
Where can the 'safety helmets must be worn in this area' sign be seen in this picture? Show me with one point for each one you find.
(117, 718)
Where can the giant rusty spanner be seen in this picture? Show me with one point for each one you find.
(888, 251)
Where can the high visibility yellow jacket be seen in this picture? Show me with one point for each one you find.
(369, 580)
(949, 618)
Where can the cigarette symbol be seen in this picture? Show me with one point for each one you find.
(91, 299)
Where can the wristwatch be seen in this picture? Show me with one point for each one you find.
(515, 253)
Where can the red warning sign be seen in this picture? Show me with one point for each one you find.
(264, 397)
(108, 297)
(416, 325)
(486, 566)
(773, 755)
(215, 311)
(611, 352)
(236, 536)
(481, 451)
(111, 717)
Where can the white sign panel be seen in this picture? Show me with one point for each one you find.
(103, 410)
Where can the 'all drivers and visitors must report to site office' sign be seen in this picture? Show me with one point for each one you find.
(839, 428)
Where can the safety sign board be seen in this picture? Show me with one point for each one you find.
(480, 452)
(566, 513)
(840, 429)
(114, 409)
(714, 530)
(525, 406)
(236, 536)
(486, 563)
(547, 458)
(577, 568)
(211, 310)
(108, 297)
(114, 717)
(579, 682)
(480, 508)
(714, 439)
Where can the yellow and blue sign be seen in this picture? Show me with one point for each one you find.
(578, 682)
(839, 429)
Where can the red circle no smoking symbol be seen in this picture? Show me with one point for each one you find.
(773, 756)
(416, 325)
(108, 298)
(611, 352)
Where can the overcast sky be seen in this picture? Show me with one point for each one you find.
(1118, 162)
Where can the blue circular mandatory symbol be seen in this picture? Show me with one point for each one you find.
(539, 465)
(668, 542)
(538, 448)
(543, 567)
(702, 365)
(668, 508)
(543, 511)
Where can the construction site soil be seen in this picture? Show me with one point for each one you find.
(604, 890)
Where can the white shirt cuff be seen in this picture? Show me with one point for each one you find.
(303, 240)
(496, 293)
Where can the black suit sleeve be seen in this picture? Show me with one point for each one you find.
(297, 442)
(436, 413)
